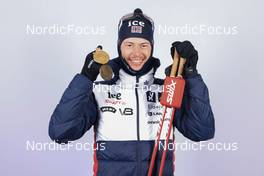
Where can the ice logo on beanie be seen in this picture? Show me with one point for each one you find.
(136, 26)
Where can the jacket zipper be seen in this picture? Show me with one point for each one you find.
(138, 133)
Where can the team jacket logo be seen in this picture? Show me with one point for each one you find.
(108, 109)
(151, 96)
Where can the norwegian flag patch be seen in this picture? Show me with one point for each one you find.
(136, 29)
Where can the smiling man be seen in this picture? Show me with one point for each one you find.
(126, 119)
(136, 52)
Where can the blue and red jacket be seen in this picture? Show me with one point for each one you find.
(125, 114)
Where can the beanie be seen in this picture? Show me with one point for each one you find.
(135, 24)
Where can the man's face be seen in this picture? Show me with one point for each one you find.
(136, 52)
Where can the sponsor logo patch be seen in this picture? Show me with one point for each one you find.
(108, 109)
(136, 29)
(136, 26)
(114, 96)
(126, 111)
(151, 96)
(170, 90)
(154, 113)
(153, 122)
(154, 106)
(115, 102)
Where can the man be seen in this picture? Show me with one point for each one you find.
(126, 116)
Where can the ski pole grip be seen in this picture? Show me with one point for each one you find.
(174, 64)
(181, 66)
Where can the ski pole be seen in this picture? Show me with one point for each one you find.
(172, 98)
(157, 140)
(155, 149)
(174, 107)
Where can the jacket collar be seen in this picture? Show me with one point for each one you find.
(144, 77)
(130, 80)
